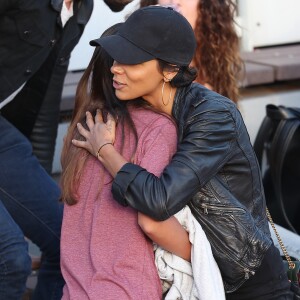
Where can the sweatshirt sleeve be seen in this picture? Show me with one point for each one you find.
(206, 146)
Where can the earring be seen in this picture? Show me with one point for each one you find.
(162, 94)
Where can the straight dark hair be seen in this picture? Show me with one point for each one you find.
(94, 91)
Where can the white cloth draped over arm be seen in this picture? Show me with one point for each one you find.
(200, 279)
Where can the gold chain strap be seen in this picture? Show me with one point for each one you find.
(288, 258)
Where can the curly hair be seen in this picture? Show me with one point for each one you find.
(217, 57)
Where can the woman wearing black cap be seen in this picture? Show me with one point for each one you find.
(114, 259)
(217, 56)
(214, 170)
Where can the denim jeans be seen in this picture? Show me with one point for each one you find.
(29, 207)
(291, 240)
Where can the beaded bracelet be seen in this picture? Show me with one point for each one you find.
(98, 152)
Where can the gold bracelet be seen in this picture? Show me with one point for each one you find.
(98, 152)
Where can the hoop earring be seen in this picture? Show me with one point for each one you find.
(162, 94)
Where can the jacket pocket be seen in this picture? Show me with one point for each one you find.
(30, 32)
(227, 228)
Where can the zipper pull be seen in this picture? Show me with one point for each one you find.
(247, 272)
(205, 210)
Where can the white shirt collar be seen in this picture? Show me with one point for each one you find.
(66, 13)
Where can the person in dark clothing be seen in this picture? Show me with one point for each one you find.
(36, 39)
(214, 170)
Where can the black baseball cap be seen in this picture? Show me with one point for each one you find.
(152, 32)
(116, 5)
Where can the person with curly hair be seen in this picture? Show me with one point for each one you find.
(217, 57)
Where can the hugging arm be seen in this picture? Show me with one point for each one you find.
(204, 149)
(159, 146)
(206, 146)
(169, 234)
(158, 194)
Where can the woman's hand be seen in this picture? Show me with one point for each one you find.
(98, 135)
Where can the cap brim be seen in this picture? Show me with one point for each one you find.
(122, 50)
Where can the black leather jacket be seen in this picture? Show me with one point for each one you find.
(35, 48)
(30, 30)
(215, 172)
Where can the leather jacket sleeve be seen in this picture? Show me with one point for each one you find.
(209, 136)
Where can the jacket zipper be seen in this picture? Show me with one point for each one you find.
(247, 272)
(206, 207)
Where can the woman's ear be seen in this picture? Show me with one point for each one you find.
(169, 75)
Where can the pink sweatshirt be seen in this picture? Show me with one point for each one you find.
(104, 253)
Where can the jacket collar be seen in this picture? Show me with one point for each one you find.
(56, 5)
(186, 101)
(180, 101)
(84, 8)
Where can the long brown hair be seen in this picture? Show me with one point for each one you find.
(94, 91)
(217, 56)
